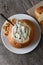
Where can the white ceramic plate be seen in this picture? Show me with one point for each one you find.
(29, 48)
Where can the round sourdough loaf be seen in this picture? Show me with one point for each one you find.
(26, 42)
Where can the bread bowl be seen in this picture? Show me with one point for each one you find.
(39, 16)
(30, 33)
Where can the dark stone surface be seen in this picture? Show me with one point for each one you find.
(8, 8)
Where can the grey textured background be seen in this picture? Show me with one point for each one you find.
(8, 8)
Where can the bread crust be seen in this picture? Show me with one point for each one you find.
(31, 38)
(38, 11)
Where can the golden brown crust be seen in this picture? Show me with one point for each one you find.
(32, 36)
(6, 28)
(38, 11)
